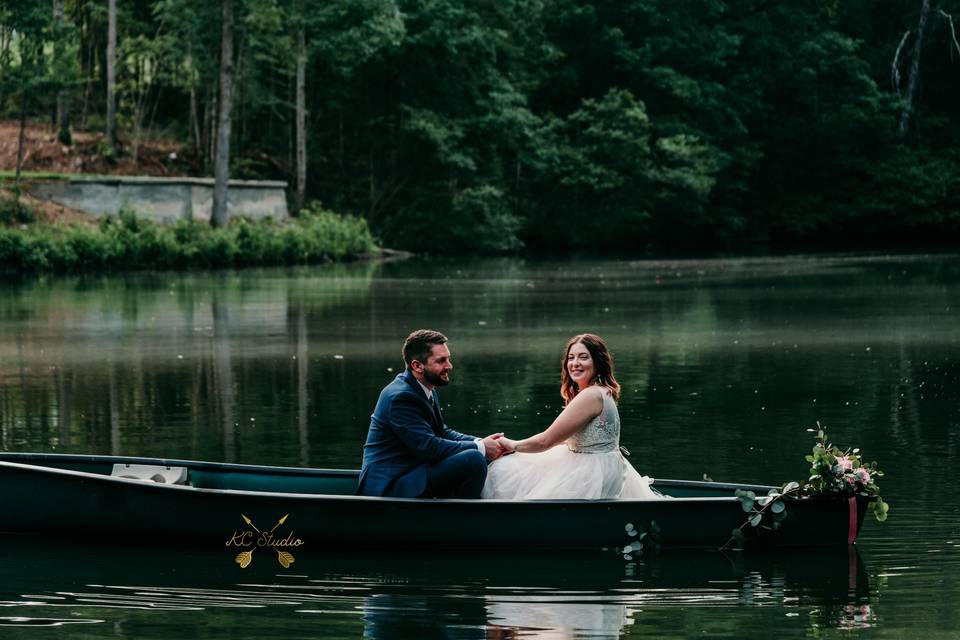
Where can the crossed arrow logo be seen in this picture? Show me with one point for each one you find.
(263, 539)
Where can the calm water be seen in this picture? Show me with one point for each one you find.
(724, 366)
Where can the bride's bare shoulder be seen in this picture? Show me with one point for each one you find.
(591, 397)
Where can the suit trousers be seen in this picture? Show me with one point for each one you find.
(460, 476)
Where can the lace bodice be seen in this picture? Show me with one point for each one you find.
(602, 434)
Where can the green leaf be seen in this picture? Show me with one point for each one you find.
(880, 509)
(755, 520)
(790, 486)
(746, 504)
(778, 507)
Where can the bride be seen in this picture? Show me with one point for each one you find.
(578, 456)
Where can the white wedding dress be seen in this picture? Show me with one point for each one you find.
(587, 466)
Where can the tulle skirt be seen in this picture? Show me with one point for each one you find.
(561, 474)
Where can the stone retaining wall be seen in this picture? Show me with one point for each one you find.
(163, 199)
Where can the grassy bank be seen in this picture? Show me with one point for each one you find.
(127, 242)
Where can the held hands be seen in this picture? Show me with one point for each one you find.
(494, 446)
(509, 446)
(491, 446)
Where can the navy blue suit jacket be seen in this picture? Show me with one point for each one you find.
(406, 433)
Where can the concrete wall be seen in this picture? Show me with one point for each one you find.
(163, 199)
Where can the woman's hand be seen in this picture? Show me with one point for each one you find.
(509, 446)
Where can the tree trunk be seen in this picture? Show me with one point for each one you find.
(907, 113)
(211, 131)
(221, 167)
(88, 62)
(301, 119)
(63, 96)
(111, 73)
(195, 118)
(23, 128)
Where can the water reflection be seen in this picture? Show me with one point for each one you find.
(169, 363)
(258, 366)
(388, 596)
(724, 363)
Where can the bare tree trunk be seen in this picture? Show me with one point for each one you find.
(907, 113)
(238, 138)
(194, 117)
(63, 96)
(111, 73)
(23, 127)
(301, 119)
(88, 67)
(209, 137)
(292, 126)
(221, 169)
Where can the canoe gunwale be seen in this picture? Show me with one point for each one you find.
(171, 462)
(154, 486)
(12, 460)
(34, 462)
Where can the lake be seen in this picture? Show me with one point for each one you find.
(725, 365)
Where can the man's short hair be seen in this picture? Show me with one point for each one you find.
(419, 345)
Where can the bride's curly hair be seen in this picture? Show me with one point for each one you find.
(602, 364)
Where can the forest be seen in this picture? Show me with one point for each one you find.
(488, 126)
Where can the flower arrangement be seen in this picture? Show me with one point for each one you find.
(834, 470)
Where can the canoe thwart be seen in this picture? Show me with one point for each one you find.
(151, 473)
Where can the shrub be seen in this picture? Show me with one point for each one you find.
(129, 242)
(13, 211)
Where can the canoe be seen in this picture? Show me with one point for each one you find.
(191, 503)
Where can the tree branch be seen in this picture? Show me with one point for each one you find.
(953, 31)
(895, 67)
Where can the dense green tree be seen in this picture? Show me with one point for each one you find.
(453, 126)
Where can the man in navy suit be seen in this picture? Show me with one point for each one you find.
(410, 452)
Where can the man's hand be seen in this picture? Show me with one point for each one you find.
(492, 447)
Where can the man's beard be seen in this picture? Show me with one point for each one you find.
(434, 378)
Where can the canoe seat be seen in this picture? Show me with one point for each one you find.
(150, 472)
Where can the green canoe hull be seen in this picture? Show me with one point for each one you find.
(75, 496)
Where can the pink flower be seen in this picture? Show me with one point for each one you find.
(849, 479)
(845, 463)
(862, 475)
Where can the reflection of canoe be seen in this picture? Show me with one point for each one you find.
(418, 594)
(76, 495)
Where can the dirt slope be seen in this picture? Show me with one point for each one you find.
(44, 153)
